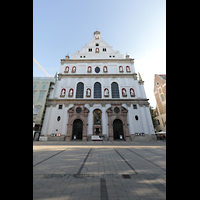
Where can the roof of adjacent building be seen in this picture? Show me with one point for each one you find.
(163, 76)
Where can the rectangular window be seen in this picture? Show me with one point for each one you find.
(41, 96)
(90, 49)
(104, 49)
(162, 97)
(60, 107)
(134, 106)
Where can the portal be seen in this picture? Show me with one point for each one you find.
(118, 129)
(77, 132)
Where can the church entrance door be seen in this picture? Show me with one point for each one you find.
(118, 129)
(77, 131)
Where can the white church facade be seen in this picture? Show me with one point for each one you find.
(98, 93)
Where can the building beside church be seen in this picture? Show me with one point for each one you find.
(98, 93)
(41, 91)
(160, 96)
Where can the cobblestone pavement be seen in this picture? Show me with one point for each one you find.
(99, 170)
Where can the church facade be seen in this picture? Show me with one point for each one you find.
(98, 93)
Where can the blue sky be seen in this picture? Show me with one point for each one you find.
(137, 27)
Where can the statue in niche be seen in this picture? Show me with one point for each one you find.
(63, 92)
(88, 93)
(106, 93)
(71, 92)
(128, 69)
(89, 69)
(73, 69)
(132, 92)
(124, 92)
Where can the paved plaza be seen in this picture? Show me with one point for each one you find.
(99, 170)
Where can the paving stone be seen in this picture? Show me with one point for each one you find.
(97, 171)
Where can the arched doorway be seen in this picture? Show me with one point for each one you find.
(118, 129)
(77, 130)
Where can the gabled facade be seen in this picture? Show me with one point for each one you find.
(160, 96)
(98, 93)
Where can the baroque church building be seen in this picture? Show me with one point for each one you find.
(98, 92)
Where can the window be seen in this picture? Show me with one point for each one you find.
(41, 96)
(162, 97)
(90, 49)
(97, 90)
(58, 118)
(136, 117)
(116, 110)
(43, 87)
(60, 106)
(115, 90)
(78, 110)
(97, 44)
(79, 90)
(97, 117)
(134, 106)
(97, 69)
(34, 87)
(104, 49)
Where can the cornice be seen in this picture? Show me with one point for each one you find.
(55, 101)
(134, 75)
(128, 60)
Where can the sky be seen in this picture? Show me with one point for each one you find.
(137, 27)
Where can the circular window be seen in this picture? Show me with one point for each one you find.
(78, 110)
(136, 117)
(58, 118)
(116, 109)
(97, 69)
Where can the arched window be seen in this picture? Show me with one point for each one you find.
(115, 90)
(97, 90)
(79, 90)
